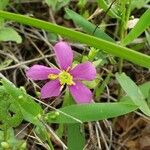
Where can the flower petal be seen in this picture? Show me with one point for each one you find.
(80, 93)
(84, 71)
(64, 54)
(50, 89)
(40, 72)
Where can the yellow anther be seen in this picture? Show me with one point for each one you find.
(52, 76)
(66, 78)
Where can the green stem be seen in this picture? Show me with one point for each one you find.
(5, 134)
(100, 89)
(66, 102)
(122, 30)
(50, 145)
(127, 16)
(126, 10)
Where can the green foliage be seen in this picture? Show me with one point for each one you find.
(134, 92)
(100, 88)
(12, 142)
(3, 4)
(16, 101)
(97, 57)
(5, 63)
(109, 47)
(30, 110)
(57, 4)
(82, 3)
(87, 26)
(92, 53)
(91, 84)
(102, 58)
(105, 6)
(138, 3)
(91, 112)
(9, 34)
(75, 133)
(44, 136)
(42, 133)
(145, 89)
(10, 114)
(139, 28)
(16, 104)
(147, 33)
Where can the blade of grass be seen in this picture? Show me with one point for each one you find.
(87, 26)
(139, 28)
(119, 51)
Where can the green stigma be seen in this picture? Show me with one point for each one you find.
(65, 78)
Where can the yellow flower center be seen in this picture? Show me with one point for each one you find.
(64, 78)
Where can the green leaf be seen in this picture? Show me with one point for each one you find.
(90, 112)
(57, 4)
(103, 4)
(147, 37)
(75, 132)
(3, 4)
(109, 47)
(91, 84)
(7, 108)
(9, 34)
(51, 3)
(30, 110)
(82, 3)
(92, 53)
(61, 3)
(138, 3)
(134, 92)
(140, 27)
(87, 26)
(145, 89)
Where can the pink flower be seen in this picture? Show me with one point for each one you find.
(66, 75)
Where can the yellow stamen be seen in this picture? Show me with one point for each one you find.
(52, 76)
(65, 78)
